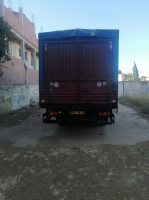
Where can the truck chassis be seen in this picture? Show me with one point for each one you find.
(102, 115)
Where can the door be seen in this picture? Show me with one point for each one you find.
(95, 71)
(60, 71)
(78, 71)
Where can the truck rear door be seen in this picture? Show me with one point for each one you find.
(78, 71)
(60, 71)
(95, 71)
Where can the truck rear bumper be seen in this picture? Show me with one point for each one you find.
(86, 107)
(82, 119)
(97, 114)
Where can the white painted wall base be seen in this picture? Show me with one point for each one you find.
(14, 97)
(130, 88)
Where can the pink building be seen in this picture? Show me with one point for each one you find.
(23, 50)
(19, 83)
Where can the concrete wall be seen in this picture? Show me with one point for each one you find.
(13, 97)
(130, 88)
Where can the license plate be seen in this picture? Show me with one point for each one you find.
(77, 112)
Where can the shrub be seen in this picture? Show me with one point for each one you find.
(139, 101)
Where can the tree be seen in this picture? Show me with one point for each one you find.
(5, 36)
(135, 72)
(129, 77)
(119, 71)
(143, 78)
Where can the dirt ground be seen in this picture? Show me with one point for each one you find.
(76, 162)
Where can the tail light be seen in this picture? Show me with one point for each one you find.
(100, 113)
(104, 114)
(51, 113)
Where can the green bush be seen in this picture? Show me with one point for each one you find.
(139, 101)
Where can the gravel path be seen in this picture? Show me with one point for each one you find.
(50, 162)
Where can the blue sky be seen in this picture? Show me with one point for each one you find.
(131, 17)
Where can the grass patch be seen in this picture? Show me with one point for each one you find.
(141, 102)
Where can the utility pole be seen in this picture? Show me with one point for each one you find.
(2, 14)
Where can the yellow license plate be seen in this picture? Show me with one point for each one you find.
(77, 112)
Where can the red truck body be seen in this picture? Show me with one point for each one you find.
(78, 74)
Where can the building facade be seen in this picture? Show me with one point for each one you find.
(19, 83)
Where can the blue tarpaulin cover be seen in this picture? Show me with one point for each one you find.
(80, 33)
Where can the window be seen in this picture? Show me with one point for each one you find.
(32, 61)
(26, 56)
(20, 52)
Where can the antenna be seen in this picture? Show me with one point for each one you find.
(9, 4)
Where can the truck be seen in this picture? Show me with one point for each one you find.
(78, 75)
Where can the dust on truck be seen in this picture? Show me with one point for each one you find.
(78, 75)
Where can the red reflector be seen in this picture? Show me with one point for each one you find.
(100, 113)
(113, 101)
(43, 101)
(56, 113)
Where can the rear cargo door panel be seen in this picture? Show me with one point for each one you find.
(61, 71)
(78, 71)
(95, 71)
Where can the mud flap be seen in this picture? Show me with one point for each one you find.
(48, 119)
(112, 118)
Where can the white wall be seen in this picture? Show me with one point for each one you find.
(14, 97)
(130, 88)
